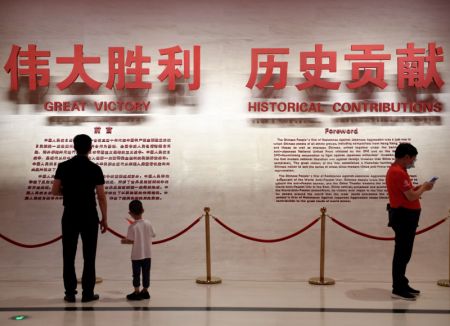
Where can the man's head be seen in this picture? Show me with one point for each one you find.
(136, 208)
(405, 154)
(404, 149)
(82, 144)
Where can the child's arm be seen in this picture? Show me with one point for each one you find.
(126, 241)
(129, 236)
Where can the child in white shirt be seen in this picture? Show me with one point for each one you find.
(140, 234)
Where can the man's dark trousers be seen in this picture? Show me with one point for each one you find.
(75, 224)
(404, 222)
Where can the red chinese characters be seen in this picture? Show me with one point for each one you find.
(78, 61)
(317, 67)
(372, 72)
(129, 69)
(411, 68)
(270, 64)
(172, 73)
(126, 71)
(367, 67)
(28, 63)
(119, 67)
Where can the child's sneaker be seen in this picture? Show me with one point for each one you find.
(135, 296)
(145, 295)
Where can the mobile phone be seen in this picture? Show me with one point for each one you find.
(433, 179)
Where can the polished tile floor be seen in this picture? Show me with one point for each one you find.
(183, 302)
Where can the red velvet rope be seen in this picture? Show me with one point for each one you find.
(432, 226)
(162, 240)
(265, 240)
(23, 245)
(384, 238)
(179, 233)
(236, 233)
(117, 234)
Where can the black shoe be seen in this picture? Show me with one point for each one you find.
(69, 298)
(412, 291)
(144, 295)
(90, 298)
(135, 296)
(404, 295)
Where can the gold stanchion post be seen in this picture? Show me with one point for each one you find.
(322, 280)
(446, 282)
(208, 279)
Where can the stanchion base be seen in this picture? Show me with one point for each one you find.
(445, 283)
(324, 281)
(97, 280)
(213, 280)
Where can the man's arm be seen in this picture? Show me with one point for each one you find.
(415, 193)
(101, 197)
(152, 232)
(56, 188)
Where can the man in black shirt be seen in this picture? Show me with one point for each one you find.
(78, 180)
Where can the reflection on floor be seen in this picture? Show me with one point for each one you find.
(183, 302)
